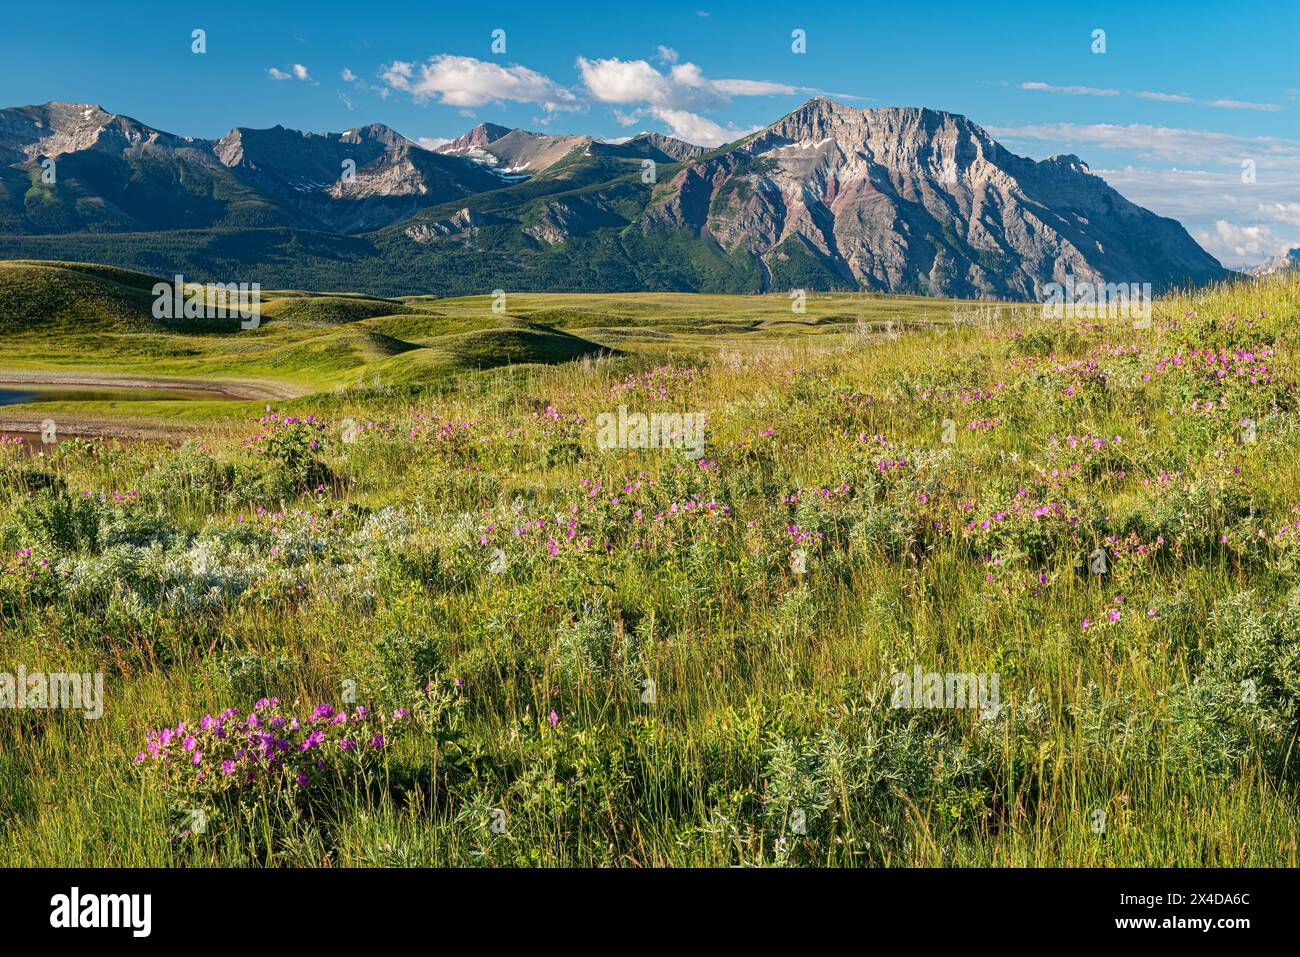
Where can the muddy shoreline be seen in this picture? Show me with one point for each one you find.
(226, 389)
(13, 421)
(30, 430)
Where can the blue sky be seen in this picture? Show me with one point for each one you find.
(1183, 95)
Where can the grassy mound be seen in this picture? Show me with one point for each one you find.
(328, 356)
(515, 343)
(328, 310)
(47, 298)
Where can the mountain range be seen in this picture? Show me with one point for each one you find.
(827, 197)
(1287, 260)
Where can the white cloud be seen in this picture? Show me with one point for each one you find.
(432, 142)
(1165, 143)
(1072, 90)
(757, 88)
(683, 124)
(692, 127)
(359, 84)
(666, 54)
(468, 82)
(1243, 105)
(1282, 212)
(1222, 104)
(296, 72)
(398, 74)
(1241, 243)
(633, 81)
(683, 87)
(676, 98)
(1199, 197)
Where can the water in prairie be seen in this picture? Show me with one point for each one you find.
(22, 394)
(35, 394)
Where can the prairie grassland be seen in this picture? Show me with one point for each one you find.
(632, 657)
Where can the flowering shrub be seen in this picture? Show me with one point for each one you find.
(270, 751)
(294, 445)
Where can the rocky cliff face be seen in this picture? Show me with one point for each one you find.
(903, 198)
(126, 175)
(519, 154)
(28, 133)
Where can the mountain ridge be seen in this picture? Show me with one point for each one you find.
(827, 197)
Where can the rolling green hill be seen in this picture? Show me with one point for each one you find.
(61, 315)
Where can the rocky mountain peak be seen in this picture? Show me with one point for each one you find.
(479, 136)
(1287, 260)
(1068, 161)
(55, 128)
(669, 146)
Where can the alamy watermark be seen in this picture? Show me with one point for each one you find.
(74, 910)
(215, 300)
(947, 689)
(1098, 300)
(656, 430)
(40, 691)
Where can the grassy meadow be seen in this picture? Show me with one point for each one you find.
(548, 653)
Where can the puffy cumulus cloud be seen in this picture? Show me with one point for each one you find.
(685, 125)
(1201, 199)
(694, 128)
(676, 98)
(1231, 242)
(432, 142)
(468, 82)
(634, 81)
(683, 87)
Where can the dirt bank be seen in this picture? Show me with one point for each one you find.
(23, 419)
(236, 389)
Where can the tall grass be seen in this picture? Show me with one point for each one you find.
(686, 691)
